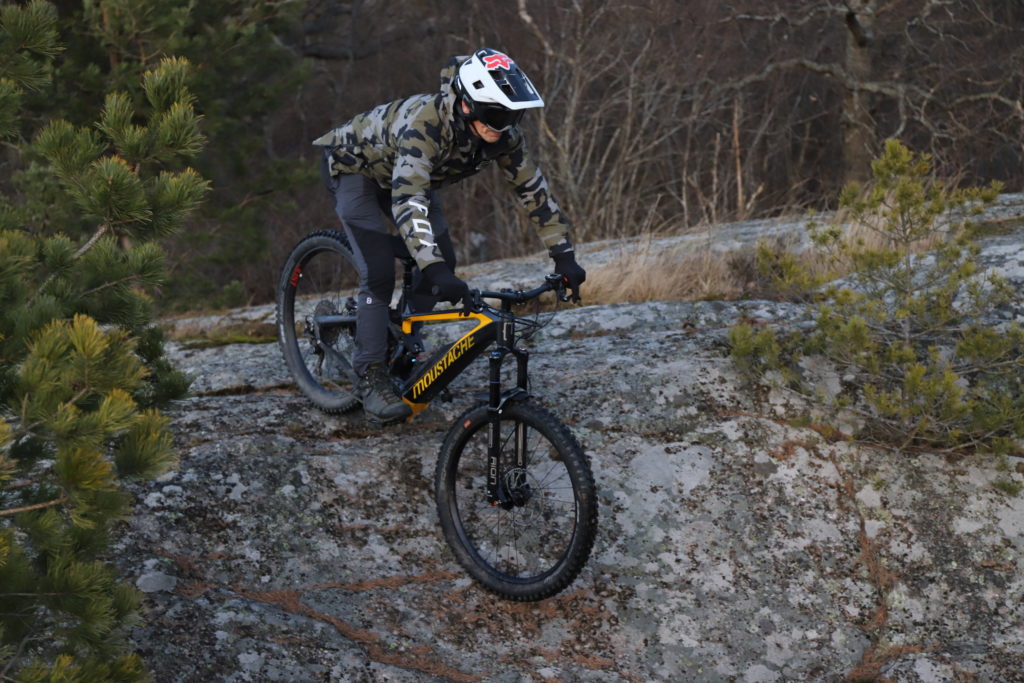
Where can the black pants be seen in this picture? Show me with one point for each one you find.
(365, 211)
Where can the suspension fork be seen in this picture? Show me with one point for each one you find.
(497, 489)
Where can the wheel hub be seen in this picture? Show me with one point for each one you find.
(325, 335)
(517, 490)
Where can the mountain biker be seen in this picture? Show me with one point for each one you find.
(384, 167)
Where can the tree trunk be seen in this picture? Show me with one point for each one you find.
(858, 126)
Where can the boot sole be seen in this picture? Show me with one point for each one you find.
(386, 421)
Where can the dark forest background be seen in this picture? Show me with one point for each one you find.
(661, 115)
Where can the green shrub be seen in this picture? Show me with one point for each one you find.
(81, 367)
(909, 329)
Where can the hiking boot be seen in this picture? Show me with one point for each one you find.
(381, 404)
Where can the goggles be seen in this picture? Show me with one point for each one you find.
(498, 118)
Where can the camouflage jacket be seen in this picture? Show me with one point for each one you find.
(416, 144)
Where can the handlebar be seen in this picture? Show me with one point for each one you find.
(552, 283)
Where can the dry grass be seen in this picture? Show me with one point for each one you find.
(646, 273)
(200, 336)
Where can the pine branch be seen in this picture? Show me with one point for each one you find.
(14, 658)
(27, 429)
(92, 240)
(78, 254)
(38, 506)
(113, 283)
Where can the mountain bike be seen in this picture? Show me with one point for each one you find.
(514, 491)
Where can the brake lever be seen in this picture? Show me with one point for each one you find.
(559, 285)
(474, 304)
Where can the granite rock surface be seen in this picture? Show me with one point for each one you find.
(734, 544)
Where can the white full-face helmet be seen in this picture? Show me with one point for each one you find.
(495, 89)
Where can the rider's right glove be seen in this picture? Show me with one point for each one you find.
(440, 281)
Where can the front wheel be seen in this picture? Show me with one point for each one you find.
(534, 543)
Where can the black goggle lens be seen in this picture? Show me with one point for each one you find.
(499, 118)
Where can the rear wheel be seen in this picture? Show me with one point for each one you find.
(319, 278)
(534, 542)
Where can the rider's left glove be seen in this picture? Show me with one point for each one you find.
(572, 273)
(440, 281)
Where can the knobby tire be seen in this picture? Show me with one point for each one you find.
(318, 276)
(529, 551)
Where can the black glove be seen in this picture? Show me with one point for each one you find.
(572, 273)
(440, 281)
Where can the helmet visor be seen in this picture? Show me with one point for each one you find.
(499, 118)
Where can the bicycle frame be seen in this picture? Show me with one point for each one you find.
(437, 374)
(424, 384)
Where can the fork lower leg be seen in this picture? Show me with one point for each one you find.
(494, 427)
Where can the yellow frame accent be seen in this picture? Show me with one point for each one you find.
(436, 318)
(443, 317)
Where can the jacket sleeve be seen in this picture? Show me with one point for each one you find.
(417, 153)
(531, 187)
